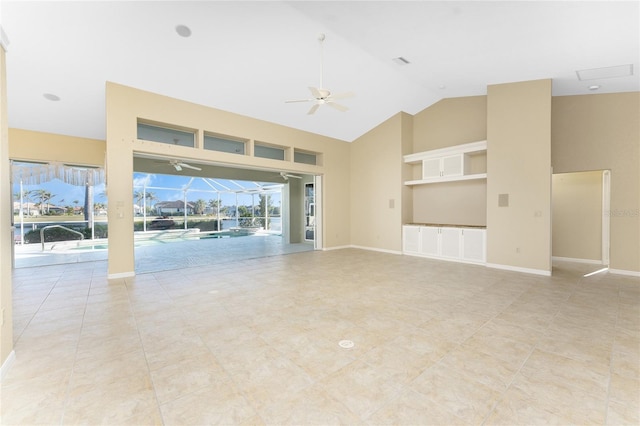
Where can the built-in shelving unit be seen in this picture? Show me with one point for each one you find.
(450, 164)
(447, 242)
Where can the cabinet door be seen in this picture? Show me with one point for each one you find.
(452, 165)
(431, 168)
(411, 239)
(429, 243)
(450, 242)
(473, 245)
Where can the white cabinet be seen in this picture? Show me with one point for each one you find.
(442, 242)
(474, 248)
(430, 240)
(411, 239)
(449, 164)
(450, 242)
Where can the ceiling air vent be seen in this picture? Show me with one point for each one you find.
(606, 72)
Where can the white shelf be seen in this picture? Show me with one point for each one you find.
(448, 164)
(449, 179)
(467, 148)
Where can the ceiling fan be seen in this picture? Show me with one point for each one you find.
(178, 165)
(323, 96)
(286, 176)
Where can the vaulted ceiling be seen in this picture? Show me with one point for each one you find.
(249, 57)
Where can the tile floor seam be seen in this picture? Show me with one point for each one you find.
(611, 360)
(75, 358)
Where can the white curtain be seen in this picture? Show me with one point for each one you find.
(33, 174)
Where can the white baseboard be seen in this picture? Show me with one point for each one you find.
(376, 249)
(121, 275)
(335, 248)
(519, 269)
(576, 260)
(625, 272)
(6, 365)
(446, 259)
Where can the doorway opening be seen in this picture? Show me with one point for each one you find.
(580, 218)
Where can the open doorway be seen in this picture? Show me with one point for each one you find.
(265, 207)
(580, 219)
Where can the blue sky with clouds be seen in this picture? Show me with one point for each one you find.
(65, 194)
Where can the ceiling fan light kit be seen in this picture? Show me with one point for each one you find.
(320, 95)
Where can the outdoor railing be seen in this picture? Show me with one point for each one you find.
(57, 226)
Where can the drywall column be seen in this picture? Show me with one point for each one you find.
(377, 186)
(121, 131)
(6, 312)
(519, 176)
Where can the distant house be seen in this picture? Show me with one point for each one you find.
(172, 208)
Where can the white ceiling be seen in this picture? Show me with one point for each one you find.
(249, 57)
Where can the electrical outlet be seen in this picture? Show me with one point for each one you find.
(518, 250)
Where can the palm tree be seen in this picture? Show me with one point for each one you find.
(199, 206)
(151, 197)
(138, 196)
(41, 196)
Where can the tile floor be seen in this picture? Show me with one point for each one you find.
(256, 342)
(160, 254)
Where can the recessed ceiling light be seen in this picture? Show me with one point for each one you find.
(51, 97)
(183, 31)
(594, 87)
(401, 61)
(606, 72)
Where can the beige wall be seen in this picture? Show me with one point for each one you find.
(600, 132)
(376, 186)
(126, 105)
(577, 215)
(519, 164)
(450, 122)
(6, 219)
(455, 203)
(29, 145)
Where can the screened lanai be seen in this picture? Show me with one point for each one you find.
(179, 219)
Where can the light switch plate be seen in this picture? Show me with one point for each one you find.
(503, 200)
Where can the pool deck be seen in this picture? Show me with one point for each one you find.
(162, 254)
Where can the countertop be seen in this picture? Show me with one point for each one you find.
(447, 225)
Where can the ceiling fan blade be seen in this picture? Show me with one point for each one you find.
(342, 95)
(337, 106)
(317, 93)
(313, 109)
(189, 166)
(299, 100)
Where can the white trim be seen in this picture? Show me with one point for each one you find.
(335, 248)
(519, 269)
(318, 232)
(450, 150)
(4, 40)
(571, 259)
(625, 272)
(446, 259)
(448, 179)
(606, 217)
(121, 275)
(376, 249)
(6, 365)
